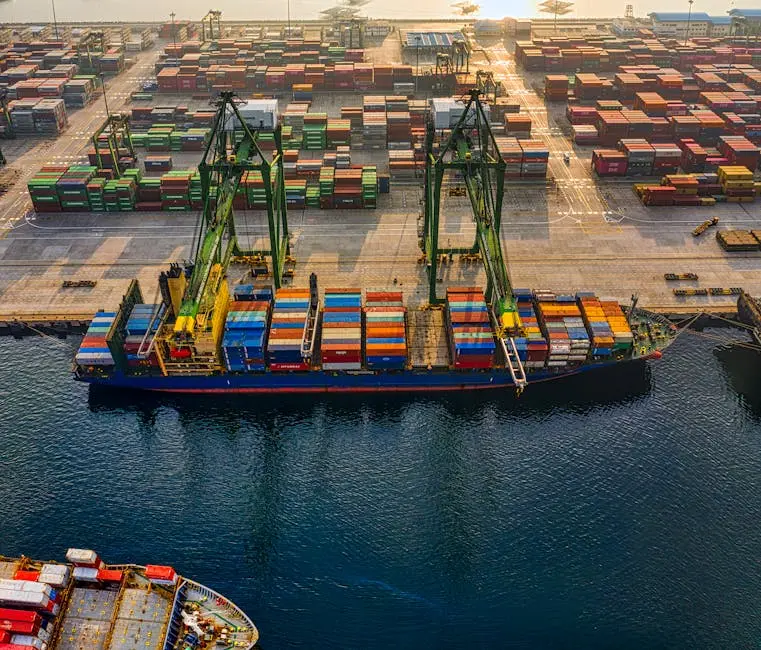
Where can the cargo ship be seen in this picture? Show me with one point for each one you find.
(268, 338)
(84, 603)
(288, 341)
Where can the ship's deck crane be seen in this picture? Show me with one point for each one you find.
(472, 151)
(199, 295)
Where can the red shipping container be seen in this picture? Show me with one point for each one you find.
(32, 576)
(289, 366)
(473, 365)
(20, 627)
(159, 572)
(110, 575)
(18, 615)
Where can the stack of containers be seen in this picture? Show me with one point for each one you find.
(78, 92)
(27, 594)
(512, 154)
(22, 115)
(556, 87)
(532, 346)
(640, 156)
(399, 134)
(693, 156)
(385, 331)
(561, 317)
(95, 190)
(535, 158)
(253, 293)
(374, 126)
(295, 193)
(42, 188)
(94, 350)
(369, 187)
(338, 133)
(739, 151)
(668, 157)
(623, 339)
(287, 329)
(245, 339)
(326, 183)
(138, 323)
(175, 190)
(315, 131)
(737, 184)
(347, 190)
(609, 162)
(72, 188)
(470, 333)
(402, 165)
(597, 325)
(517, 125)
(49, 116)
(585, 134)
(342, 330)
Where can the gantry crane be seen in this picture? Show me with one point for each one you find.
(212, 18)
(198, 295)
(91, 43)
(472, 151)
(487, 85)
(116, 133)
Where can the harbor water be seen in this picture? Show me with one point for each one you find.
(618, 509)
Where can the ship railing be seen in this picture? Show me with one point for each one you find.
(221, 604)
(512, 360)
(514, 363)
(309, 337)
(160, 315)
(174, 625)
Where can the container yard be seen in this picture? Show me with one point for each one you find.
(577, 147)
(86, 603)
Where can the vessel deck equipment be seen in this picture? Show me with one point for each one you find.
(136, 613)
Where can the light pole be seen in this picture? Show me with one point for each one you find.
(174, 31)
(417, 61)
(289, 19)
(55, 22)
(689, 15)
(105, 99)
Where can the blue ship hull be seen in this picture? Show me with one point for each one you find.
(337, 382)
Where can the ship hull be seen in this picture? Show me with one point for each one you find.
(409, 381)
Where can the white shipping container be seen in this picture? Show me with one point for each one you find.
(25, 585)
(86, 574)
(55, 569)
(30, 641)
(24, 598)
(54, 580)
(342, 366)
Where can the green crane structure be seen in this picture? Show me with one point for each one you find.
(472, 151)
(231, 152)
(118, 138)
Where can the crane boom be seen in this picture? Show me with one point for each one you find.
(231, 152)
(472, 151)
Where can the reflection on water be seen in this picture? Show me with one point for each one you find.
(617, 508)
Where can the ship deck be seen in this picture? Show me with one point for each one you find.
(139, 615)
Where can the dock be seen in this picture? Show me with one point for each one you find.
(572, 232)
